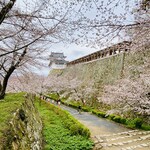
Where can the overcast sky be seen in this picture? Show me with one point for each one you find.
(72, 51)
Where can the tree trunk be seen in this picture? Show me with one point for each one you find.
(0, 86)
(83, 102)
(6, 10)
(5, 81)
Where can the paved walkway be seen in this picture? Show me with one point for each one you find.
(97, 126)
(108, 135)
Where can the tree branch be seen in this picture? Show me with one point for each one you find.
(21, 47)
(21, 57)
(120, 25)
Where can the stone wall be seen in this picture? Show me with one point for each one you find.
(103, 71)
(127, 66)
(25, 131)
(110, 69)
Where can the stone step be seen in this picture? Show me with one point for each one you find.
(122, 137)
(139, 146)
(128, 133)
(134, 140)
(137, 137)
(120, 133)
(142, 146)
(124, 144)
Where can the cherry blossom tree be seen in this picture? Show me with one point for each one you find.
(57, 85)
(129, 96)
(29, 82)
(73, 89)
(26, 32)
(25, 35)
(140, 33)
(82, 92)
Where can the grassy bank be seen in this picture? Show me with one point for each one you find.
(61, 131)
(7, 107)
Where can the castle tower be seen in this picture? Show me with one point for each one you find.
(57, 60)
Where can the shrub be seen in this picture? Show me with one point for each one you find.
(130, 123)
(134, 123)
(138, 122)
(85, 132)
(145, 127)
(123, 120)
(53, 96)
(85, 109)
(117, 119)
(77, 129)
(74, 129)
(94, 112)
(73, 105)
(68, 123)
(101, 114)
(111, 117)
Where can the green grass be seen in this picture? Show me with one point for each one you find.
(7, 107)
(53, 96)
(61, 131)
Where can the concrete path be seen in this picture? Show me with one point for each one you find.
(97, 126)
(108, 135)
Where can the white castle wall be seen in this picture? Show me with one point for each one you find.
(57, 66)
